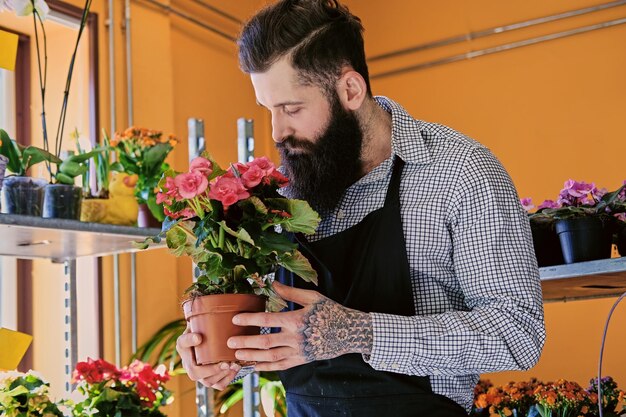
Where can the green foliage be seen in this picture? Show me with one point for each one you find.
(22, 158)
(26, 395)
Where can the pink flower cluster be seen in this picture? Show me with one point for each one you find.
(236, 184)
(580, 194)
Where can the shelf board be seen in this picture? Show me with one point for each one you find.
(584, 280)
(32, 237)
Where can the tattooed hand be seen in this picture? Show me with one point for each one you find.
(322, 329)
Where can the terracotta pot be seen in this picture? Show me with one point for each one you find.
(211, 316)
(145, 217)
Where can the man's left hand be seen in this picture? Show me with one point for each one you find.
(322, 329)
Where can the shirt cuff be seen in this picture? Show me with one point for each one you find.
(394, 343)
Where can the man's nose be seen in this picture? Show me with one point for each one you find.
(280, 129)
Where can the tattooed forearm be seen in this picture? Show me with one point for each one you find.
(331, 330)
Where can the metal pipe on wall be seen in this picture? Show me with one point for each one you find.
(111, 25)
(190, 18)
(497, 30)
(499, 48)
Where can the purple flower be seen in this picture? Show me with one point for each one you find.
(578, 193)
(551, 204)
(527, 203)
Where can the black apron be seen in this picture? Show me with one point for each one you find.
(365, 268)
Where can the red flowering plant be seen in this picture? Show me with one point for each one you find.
(103, 390)
(561, 399)
(230, 222)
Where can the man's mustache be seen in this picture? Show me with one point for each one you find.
(292, 142)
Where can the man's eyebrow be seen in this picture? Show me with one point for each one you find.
(284, 103)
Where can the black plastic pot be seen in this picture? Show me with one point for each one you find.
(23, 195)
(621, 238)
(585, 238)
(62, 201)
(546, 243)
(3, 166)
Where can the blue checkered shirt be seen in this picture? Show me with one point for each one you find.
(473, 269)
(474, 274)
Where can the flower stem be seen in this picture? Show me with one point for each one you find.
(59, 136)
(43, 77)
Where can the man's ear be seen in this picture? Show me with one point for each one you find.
(352, 90)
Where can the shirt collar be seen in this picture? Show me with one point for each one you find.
(407, 139)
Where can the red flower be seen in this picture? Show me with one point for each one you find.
(228, 190)
(191, 184)
(252, 177)
(201, 165)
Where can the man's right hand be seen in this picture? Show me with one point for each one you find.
(216, 376)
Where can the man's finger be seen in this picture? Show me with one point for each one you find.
(264, 341)
(271, 355)
(278, 366)
(209, 381)
(263, 319)
(223, 383)
(188, 340)
(297, 295)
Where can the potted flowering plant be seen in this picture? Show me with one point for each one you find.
(103, 390)
(583, 221)
(26, 394)
(227, 222)
(142, 152)
(545, 240)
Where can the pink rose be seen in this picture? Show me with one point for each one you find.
(280, 179)
(252, 177)
(228, 190)
(191, 184)
(264, 164)
(201, 165)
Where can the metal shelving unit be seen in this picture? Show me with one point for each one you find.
(584, 280)
(62, 241)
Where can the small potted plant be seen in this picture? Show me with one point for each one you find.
(545, 239)
(113, 201)
(583, 221)
(62, 198)
(26, 394)
(227, 222)
(142, 152)
(618, 208)
(22, 194)
(103, 390)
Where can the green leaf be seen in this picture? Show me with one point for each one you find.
(10, 149)
(258, 204)
(275, 242)
(33, 155)
(117, 167)
(64, 178)
(80, 158)
(154, 157)
(299, 265)
(241, 234)
(176, 237)
(72, 168)
(155, 209)
(303, 218)
(232, 400)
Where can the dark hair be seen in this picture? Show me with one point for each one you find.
(321, 36)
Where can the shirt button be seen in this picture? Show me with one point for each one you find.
(341, 214)
(395, 366)
(383, 364)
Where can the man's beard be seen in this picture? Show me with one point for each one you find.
(320, 172)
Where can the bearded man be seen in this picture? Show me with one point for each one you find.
(427, 275)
